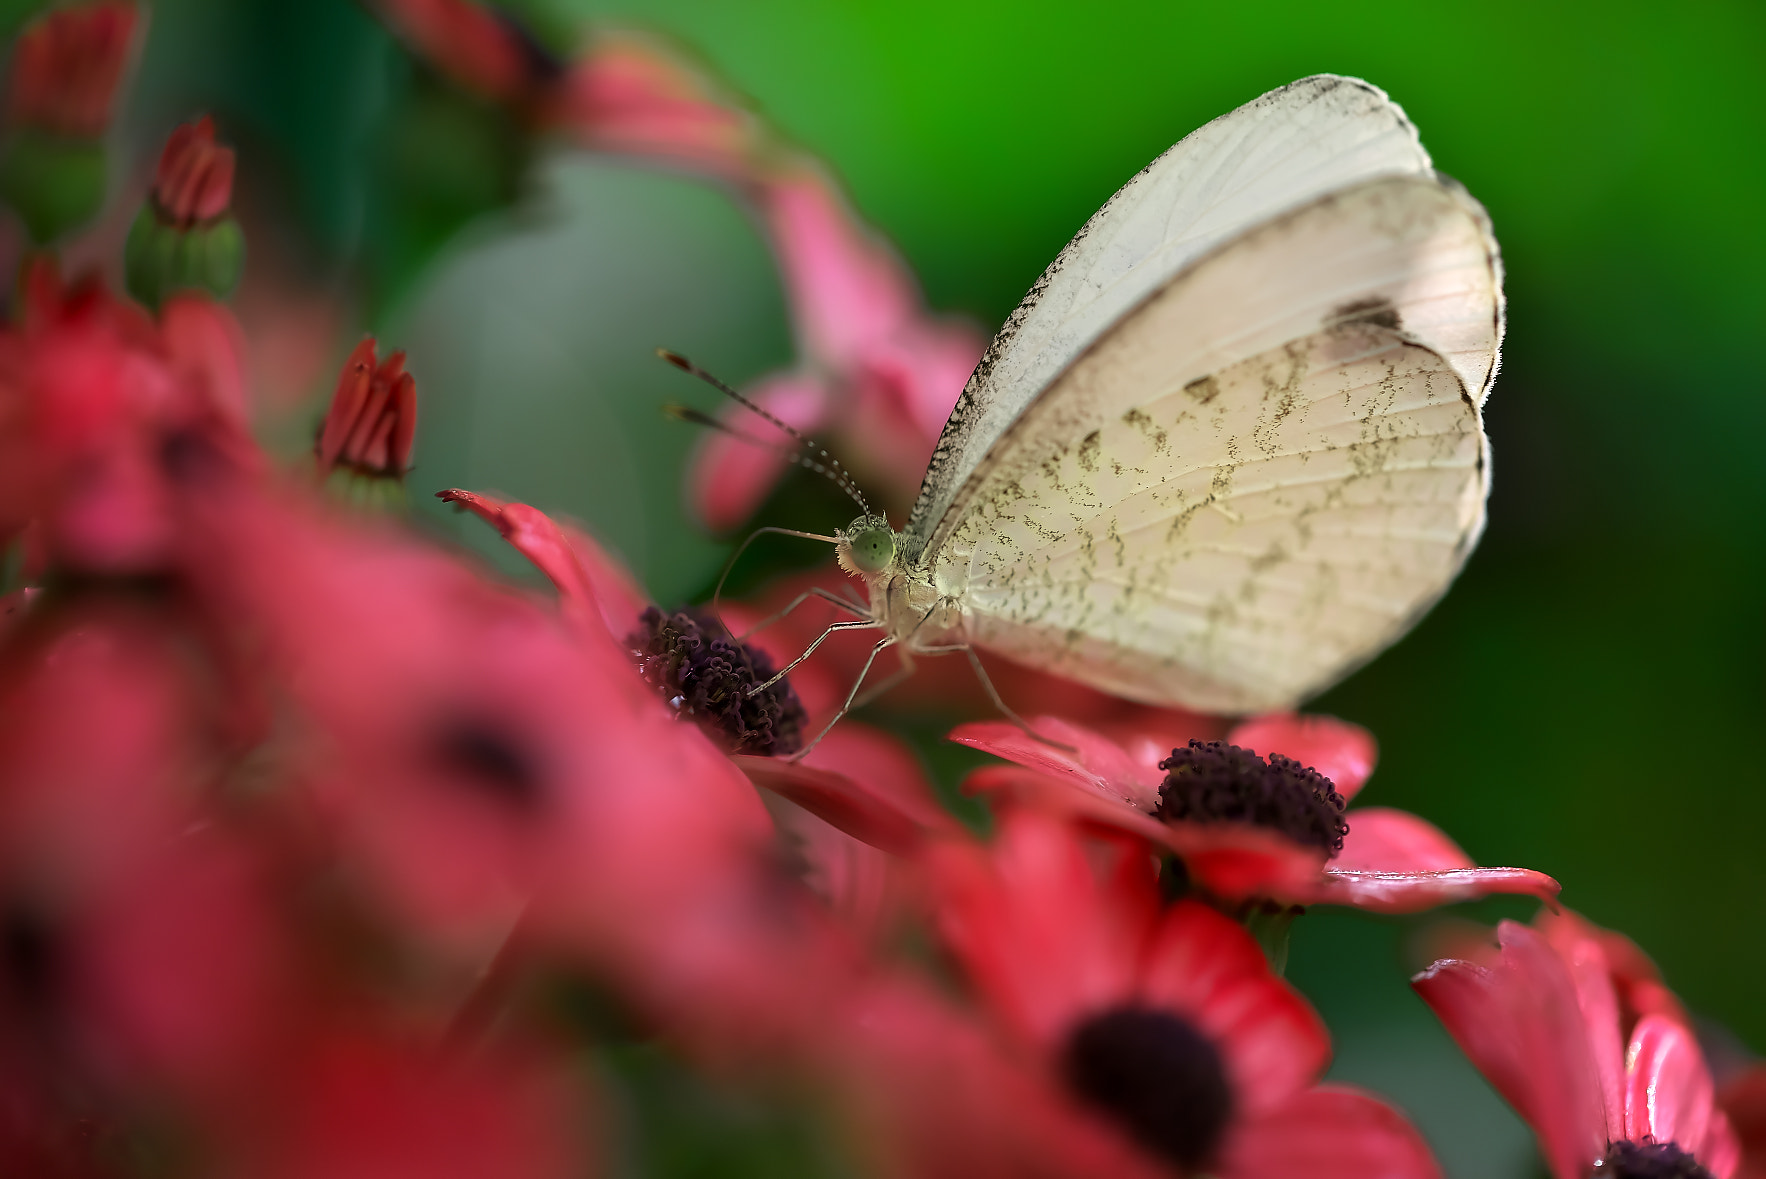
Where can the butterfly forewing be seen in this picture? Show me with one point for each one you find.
(1258, 477)
(1278, 152)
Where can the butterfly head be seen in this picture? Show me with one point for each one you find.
(866, 547)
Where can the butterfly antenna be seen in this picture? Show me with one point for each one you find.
(827, 465)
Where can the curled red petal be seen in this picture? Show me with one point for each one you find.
(1519, 1022)
(404, 431)
(1343, 752)
(1095, 762)
(533, 534)
(1668, 1089)
(1206, 967)
(1416, 892)
(1330, 1132)
(347, 402)
(838, 800)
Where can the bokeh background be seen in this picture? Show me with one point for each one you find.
(1588, 700)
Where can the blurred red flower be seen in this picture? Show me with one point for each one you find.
(1168, 1021)
(106, 416)
(1539, 1015)
(1390, 861)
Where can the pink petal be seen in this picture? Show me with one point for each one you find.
(1521, 1025)
(1098, 763)
(728, 478)
(1231, 860)
(1722, 1155)
(1329, 1132)
(1416, 892)
(1342, 752)
(852, 876)
(628, 95)
(1039, 934)
(1382, 839)
(533, 534)
(848, 289)
(207, 349)
(1207, 968)
(887, 767)
(1587, 963)
(1743, 1123)
(1668, 1089)
(347, 402)
(839, 801)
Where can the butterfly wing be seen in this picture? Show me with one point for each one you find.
(1275, 153)
(1260, 476)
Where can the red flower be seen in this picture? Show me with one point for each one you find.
(194, 181)
(864, 785)
(66, 66)
(373, 416)
(1540, 1017)
(108, 418)
(1388, 860)
(1168, 1021)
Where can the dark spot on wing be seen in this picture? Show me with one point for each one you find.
(1203, 389)
(1376, 312)
(1088, 452)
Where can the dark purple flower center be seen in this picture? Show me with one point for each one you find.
(1158, 1076)
(694, 665)
(1213, 782)
(1648, 1160)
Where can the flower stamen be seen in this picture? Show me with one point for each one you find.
(1213, 782)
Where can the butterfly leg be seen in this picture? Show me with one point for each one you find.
(868, 624)
(850, 696)
(994, 695)
(814, 592)
(903, 672)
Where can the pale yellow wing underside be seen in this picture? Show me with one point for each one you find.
(1260, 477)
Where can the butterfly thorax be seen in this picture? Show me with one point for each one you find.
(903, 596)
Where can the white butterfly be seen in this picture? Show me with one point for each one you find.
(1229, 447)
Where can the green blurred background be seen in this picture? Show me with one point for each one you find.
(1588, 699)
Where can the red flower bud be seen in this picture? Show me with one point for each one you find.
(373, 416)
(195, 178)
(66, 66)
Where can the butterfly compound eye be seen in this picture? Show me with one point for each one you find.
(873, 549)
